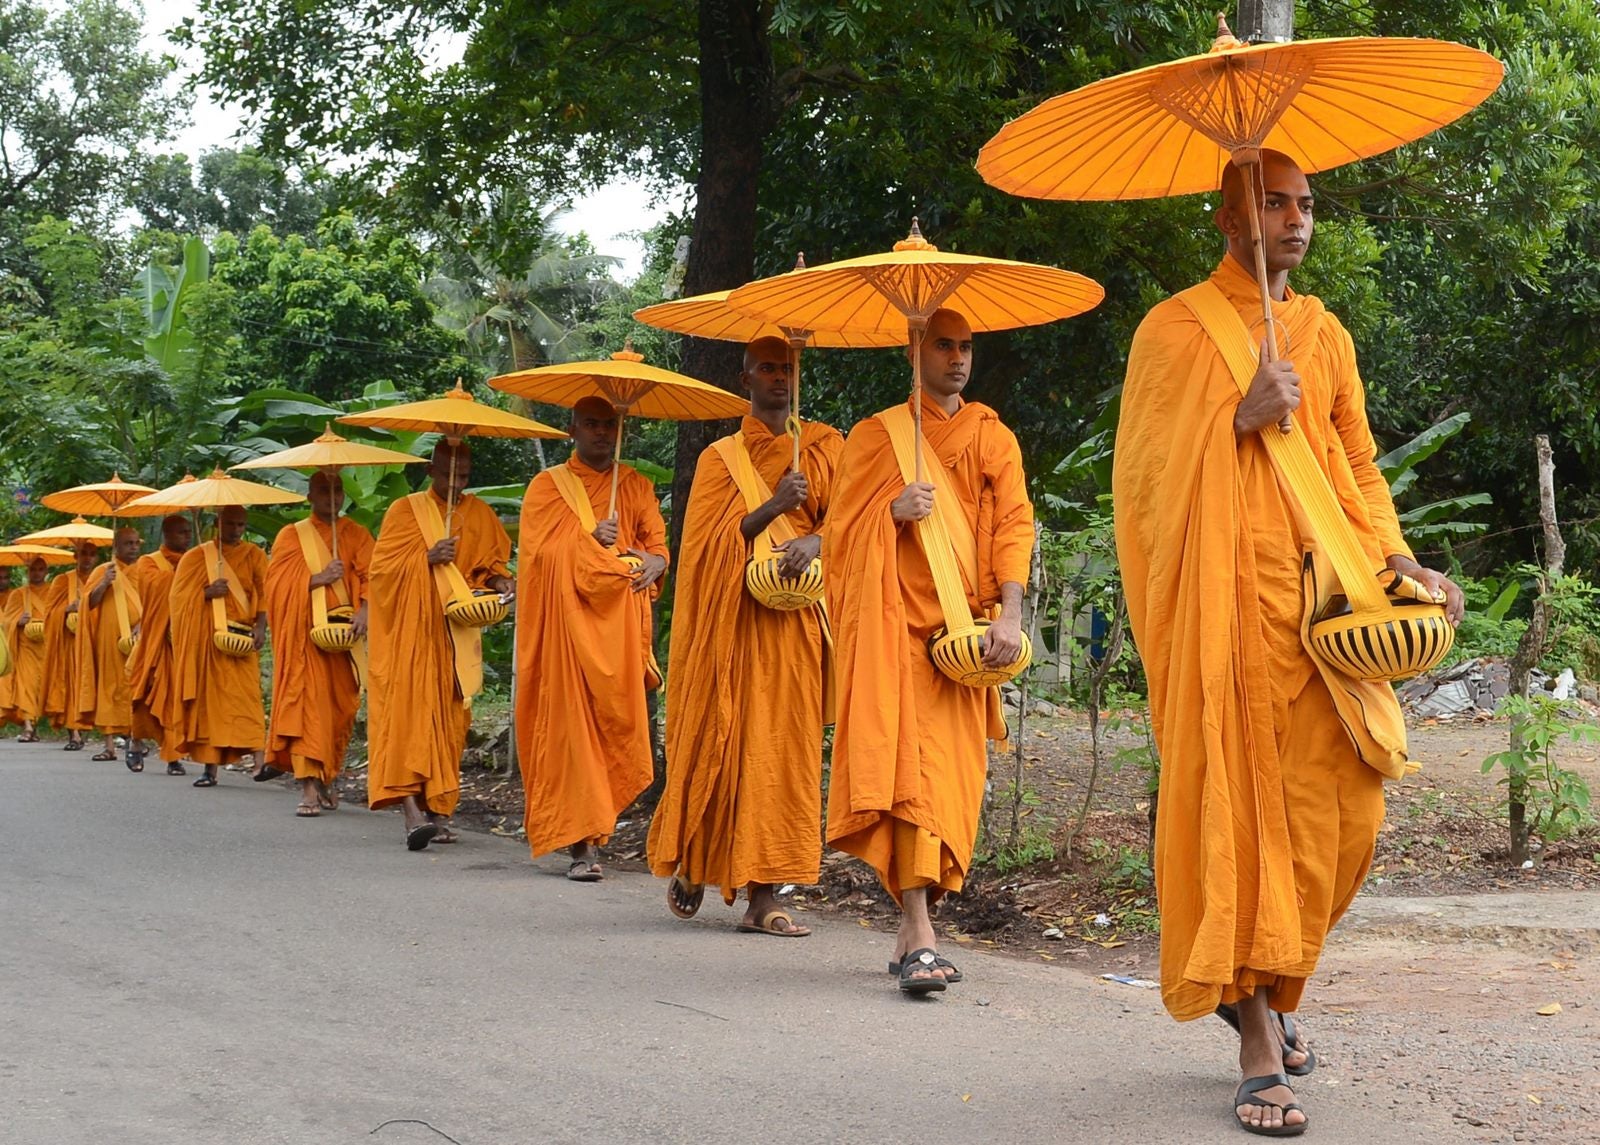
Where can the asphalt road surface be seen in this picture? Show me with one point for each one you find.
(194, 967)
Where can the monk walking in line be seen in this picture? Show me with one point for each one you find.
(743, 801)
(110, 618)
(24, 696)
(61, 647)
(315, 693)
(584, 660)
(157, 714)
(1270, 798)
(910, 753)
(222, 719)
(426, 669)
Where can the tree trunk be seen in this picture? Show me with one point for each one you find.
(1533, 646)
(1265, 21)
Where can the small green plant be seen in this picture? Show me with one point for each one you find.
(1554, 799)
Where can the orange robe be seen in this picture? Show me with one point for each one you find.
(743, 800)
(11, 606)
(61, 677)
(104, 701)
(909, 754)
(222, 718)
(156, 711)
(22, 697)
(1267, 815)
(417, 712)
(315, 694)
(583, 649)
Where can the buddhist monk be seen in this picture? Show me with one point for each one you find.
(26, 606)
(424, 670)
(61, 647)
(743, 799)
(584, 662)
(157, 712)
(222, 718)
(1268, 810)
(315, 693)
(103, 696)
(909, 756)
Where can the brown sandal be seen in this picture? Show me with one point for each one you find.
(768, 925)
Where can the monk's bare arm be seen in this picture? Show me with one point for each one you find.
(98, 593)
(791, 493)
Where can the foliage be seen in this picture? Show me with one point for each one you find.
(1436, 520)
(1556, 798)
(229, 189)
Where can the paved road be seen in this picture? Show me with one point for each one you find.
(200, 967)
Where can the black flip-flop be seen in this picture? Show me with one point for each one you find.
(1291, 1041)
(134, 761)
(1246, 1095)
(683, 897)
(72, 745)
(418, 838)
(952, 975)
(926, 958)
(206, 781)
(267, 772)
(176, 768)
(103, 756)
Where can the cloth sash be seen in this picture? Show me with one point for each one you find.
(1333, 558)
(317, 558)
(735, 455)
(128, 602)
(466, 640)
(946, 537)
(219, 610)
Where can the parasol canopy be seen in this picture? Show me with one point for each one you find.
(102, 499)
(1169, 129)
(628, 382)
(329, 451)
(73, 531)
(13, 555)
(456, 415)
(894, 292)
(215, 492)
(710, 316)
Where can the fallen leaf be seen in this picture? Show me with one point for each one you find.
(1534, 1097)
(966, 1097)
(1549, 1011)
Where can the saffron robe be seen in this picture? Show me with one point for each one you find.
(22, 692)
(1267, 816)
(153, 700)
(222, 718)
(104, 701)
(583, 648)
(61, 677)
(417, 713)
(909, 750)
(315, 694)
(743, 797)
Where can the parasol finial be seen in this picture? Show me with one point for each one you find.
(217, 473)
(914, 240)
(1226, 41)
(800, 260)
(627, 353)
(460, 394)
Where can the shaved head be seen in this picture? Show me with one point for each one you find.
(231, 520)
(177, 533)
(1285, 202)
(37, 570)
(946, 354)
(326, 492)
(88, 554)
(769, 379)
(127, 544)
(594, 429)
(450, 462)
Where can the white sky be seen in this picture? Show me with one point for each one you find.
(611, 215)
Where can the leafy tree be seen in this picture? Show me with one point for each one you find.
(79, 98)
(230, 189)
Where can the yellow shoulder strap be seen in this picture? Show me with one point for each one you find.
(317, 558)
(946, 537)
(736, 456)
(451, 585)
(575, 495)
(1291, 455)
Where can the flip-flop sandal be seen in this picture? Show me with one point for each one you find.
(683, 897)
(584, 871)
(206, 781)
(924, 959)
(177, 769)
(134, 761)
(29, 738)
(327, 797)
(445, 835)
(307, 811)
(266, 773)
(951, 974)
(1291, 1040)
(1246, 1095)
(420, 836)
(103, 756)
(767, 925)
(73, 745)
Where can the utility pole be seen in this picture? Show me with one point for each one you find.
(1265, 21)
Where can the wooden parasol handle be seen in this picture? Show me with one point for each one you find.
(1251, 167)
(616, 464)
(917, 327)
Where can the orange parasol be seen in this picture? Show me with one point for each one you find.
(215, 492)
(13, 555)
(1170, 129)
(456, 415)
(629, 383)
(73, 531)
(710, 316)
(331, 452)
(104, 499)
(897, 291)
